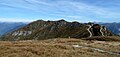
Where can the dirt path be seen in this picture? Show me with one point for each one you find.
(97, 49)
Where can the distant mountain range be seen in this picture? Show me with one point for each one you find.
(41, 29)
(7, 27)
(114, 27)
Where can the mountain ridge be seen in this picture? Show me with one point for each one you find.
(41, 29)
(114, 27)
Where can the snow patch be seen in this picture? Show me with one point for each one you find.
(24, 33)
(77, 46)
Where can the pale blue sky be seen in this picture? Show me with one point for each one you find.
(70, 10)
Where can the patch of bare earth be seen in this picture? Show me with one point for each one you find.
(57, 48)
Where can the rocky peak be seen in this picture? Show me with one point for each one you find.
(62, 20)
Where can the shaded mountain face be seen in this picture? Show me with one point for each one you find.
(56, 29)
(7, 27)
(114, 27)
(95, 29)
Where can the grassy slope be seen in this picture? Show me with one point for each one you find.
(57, 48)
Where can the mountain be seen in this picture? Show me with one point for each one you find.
(40, 29)
(7, 27)
(114, 27)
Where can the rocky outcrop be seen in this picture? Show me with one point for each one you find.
(57, 29)
(98, 30)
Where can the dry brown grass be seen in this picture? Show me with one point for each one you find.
(55, 48)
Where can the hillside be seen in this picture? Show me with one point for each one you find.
(7, 27)
(59, 48)
(57, 29)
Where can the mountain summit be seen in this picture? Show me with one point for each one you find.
(40, 29)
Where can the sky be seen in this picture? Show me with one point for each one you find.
(70, 10)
